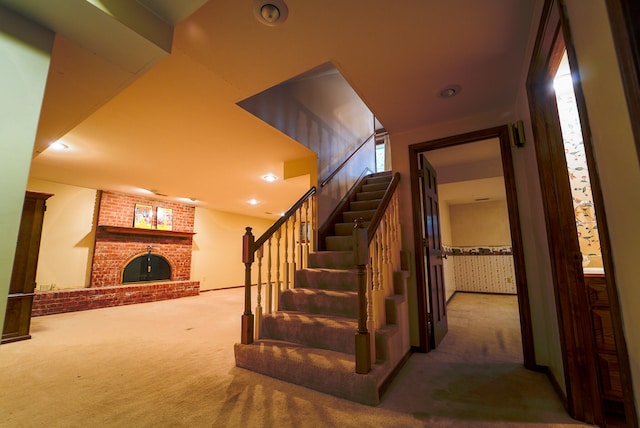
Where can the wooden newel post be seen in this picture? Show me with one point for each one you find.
(361, 259)
(246, 336)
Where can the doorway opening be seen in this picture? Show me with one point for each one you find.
(475, 249)
(431, 297)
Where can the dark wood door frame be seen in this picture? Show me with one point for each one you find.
(502, 133)
(576, 330)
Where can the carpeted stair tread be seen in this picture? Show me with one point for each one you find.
(316, 301)
(327, 279)
(331, 260)
(313, 330)
(319, 369)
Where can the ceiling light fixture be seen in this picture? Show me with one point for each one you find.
(58, 145)
(188, 200)
(270, 12)
(270, 178)
(253, 201)
(449, 91)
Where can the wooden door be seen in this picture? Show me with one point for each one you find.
(437, 316)
(595, 359)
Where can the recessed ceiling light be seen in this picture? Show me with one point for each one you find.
(253, 201)
(270, 12)
(269, 178)
(449, 91)
(188, 200)
(58, 145)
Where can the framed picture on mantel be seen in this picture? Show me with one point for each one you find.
(143, 216)
(164, 217)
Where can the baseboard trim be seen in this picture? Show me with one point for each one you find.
(382, 389)
(226, 288)
(554, 383)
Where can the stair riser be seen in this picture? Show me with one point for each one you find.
(368, 196)
(374, 187)
(384, 179)
(313, 333)
(351, 216)
(364, 205)
(346, 229)
(344, 280)
(328, 302)
(331, 260)
(339, 243)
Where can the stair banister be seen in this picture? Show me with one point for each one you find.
(250, 246)
(375, 270)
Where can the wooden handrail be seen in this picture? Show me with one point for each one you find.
(346, 160)
(386, 199)
(275, 226)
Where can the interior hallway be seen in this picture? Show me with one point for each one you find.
(171, 363)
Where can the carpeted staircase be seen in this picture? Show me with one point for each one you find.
(311, 340)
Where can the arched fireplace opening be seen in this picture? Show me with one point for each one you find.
(147, 267)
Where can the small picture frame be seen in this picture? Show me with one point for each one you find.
(164, 218)
(143, 216)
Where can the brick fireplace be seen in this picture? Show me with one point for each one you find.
(117, 243)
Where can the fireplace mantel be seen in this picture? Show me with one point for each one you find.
(119, 230)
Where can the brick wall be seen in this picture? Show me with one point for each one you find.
(56, 302)
(113, 251)
(116, 209)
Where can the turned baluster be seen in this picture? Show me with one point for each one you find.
(277, 294)
(269, 292)
(259, 295)
(293, 250)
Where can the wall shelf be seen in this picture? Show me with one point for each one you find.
(119, 230)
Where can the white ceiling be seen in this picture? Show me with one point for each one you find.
(173, 124)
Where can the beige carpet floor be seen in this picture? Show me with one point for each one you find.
(171, 364)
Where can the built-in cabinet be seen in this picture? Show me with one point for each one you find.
(17, 320)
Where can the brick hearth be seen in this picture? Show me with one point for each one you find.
(82, 299)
